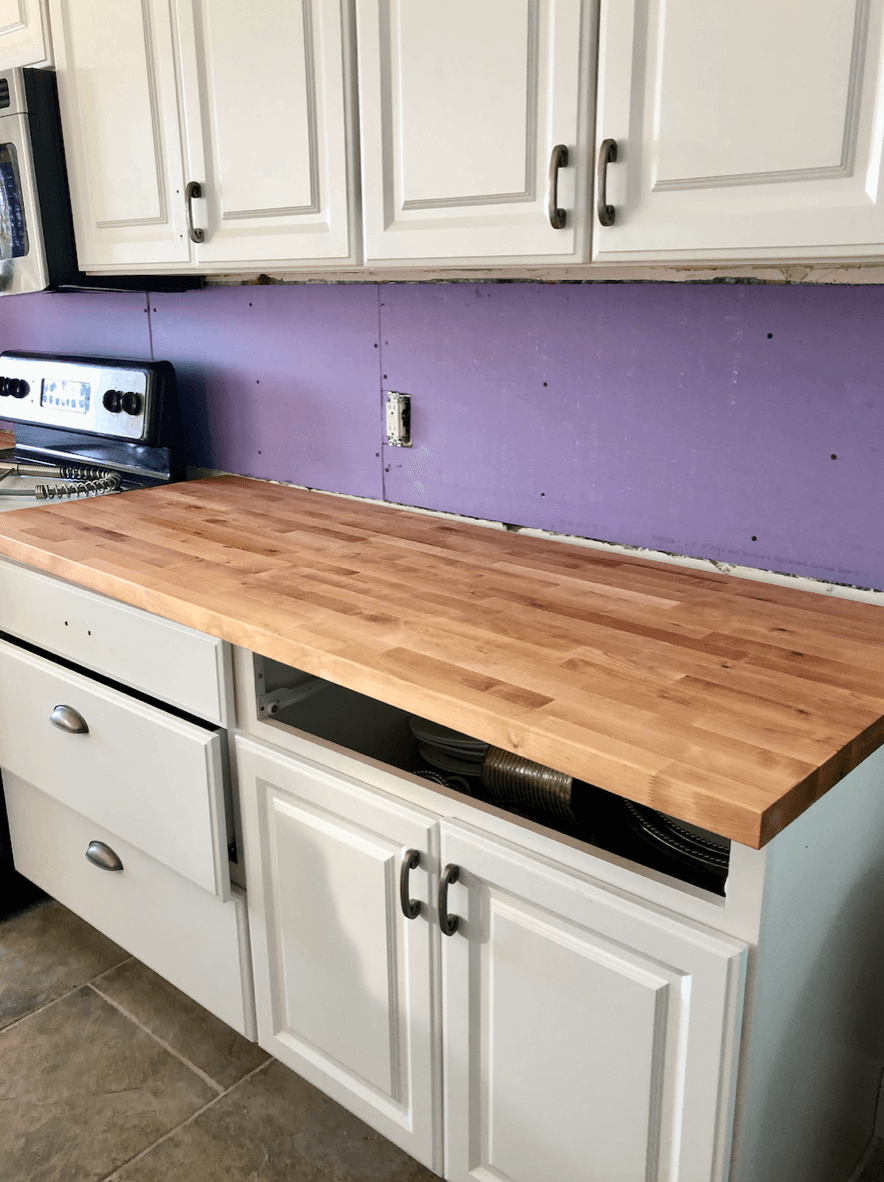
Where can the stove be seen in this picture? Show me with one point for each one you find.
(85, 426)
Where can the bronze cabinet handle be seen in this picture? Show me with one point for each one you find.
(194, 190)
(67, 719)
(411, 908)
(607, 155)
(558, 159)
(447, 922)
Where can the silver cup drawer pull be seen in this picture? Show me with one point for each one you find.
(103, 856)
(66, 718)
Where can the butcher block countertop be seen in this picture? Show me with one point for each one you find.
(729, 703)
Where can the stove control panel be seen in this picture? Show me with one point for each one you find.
(114, 400)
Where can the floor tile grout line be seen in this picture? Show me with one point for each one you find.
(40, 1009)
(165, 1137)
(113, 969)
(207, 1079)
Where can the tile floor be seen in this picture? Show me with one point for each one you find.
(109, 1074)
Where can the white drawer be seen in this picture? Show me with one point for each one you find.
(185, 934)
(154, 779)
(166, 660)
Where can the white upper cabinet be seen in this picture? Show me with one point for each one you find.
(270, 128)
(157, 98)
(462, 106)
(24, 34)
(744, 131)
(119, 110)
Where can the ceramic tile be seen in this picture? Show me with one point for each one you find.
(45, 952)
(275, 1127)
(83, 1089)
(171, 1015)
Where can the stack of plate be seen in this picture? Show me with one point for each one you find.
(447, 749)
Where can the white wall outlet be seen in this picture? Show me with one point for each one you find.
(398, 419)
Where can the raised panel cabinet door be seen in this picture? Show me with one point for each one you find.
(463, 105)
(24, 34)
(744, 131)
(273, 91)
(120, 117)
(342, 977)
(587, 1037)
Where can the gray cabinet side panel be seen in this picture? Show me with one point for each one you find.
(808, 1087)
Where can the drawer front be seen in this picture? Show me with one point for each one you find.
(185, 934)
(152, 778)
(185, 668)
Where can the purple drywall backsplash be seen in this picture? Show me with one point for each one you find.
(736, 422)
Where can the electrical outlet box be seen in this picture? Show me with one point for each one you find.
(398, 419)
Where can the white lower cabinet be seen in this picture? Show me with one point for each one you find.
(585, 1036)
(343, 981)
(580, 1034)
(153, 778)
(184, 933)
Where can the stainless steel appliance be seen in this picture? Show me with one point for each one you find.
(36, 229)
(85, 426)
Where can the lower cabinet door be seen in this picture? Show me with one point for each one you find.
(342, 977)
(587, 1037)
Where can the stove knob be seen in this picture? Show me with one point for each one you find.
(113, 401)
(19, 388)
(132, 403)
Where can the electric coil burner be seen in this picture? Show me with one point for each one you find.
(85, 426)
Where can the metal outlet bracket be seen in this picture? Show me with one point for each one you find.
(398, 419)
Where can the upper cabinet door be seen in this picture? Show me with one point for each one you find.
(462, 106)
(24, 34)
(268, 95)
(119, 111)
(744, 131)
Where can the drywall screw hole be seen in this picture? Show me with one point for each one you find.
(546, 383)
(754, 539)
(250, 303)
(543, 494)
(770, 336)
(833, 456)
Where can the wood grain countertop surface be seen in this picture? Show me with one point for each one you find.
(729, 703)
